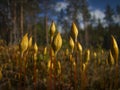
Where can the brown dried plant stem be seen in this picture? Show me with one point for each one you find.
(75, 77)
(111, 81)
(76, 66)
(50, 71)
(22, 66)
(70, 58)
(55, 72)
(60, 79)
(20, 71)
(35, 76)
(25, 63)
(84, 80)
(81, 63)
(35, 58)
(104, 85)
(116, 76)
(50, 77)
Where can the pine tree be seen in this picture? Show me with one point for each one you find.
(109, 15)
(118, 13)
(86, 18)
(73, 10)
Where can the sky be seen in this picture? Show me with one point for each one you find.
(96, 7)
(101, 4)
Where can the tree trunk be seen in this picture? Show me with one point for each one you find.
(10, 32)
(21, 21)
(11, 38)
(35, 33)
(14, 22)
(46, 29)
(86, 34)
(29, 27)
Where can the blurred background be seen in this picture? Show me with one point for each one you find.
(96, 20)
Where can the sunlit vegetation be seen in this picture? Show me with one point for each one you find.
(29, 66)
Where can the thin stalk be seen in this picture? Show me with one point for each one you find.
(35, 74)
(25, 63)
(20, 70)
(50, 71)
(60, 79)
(75, 77)
(22, 67)
(84, 80)
(70, 57)
(81, 63)
(76, 66)
(55, 72)
(116, 76)
(111, 78)
(104, 77)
